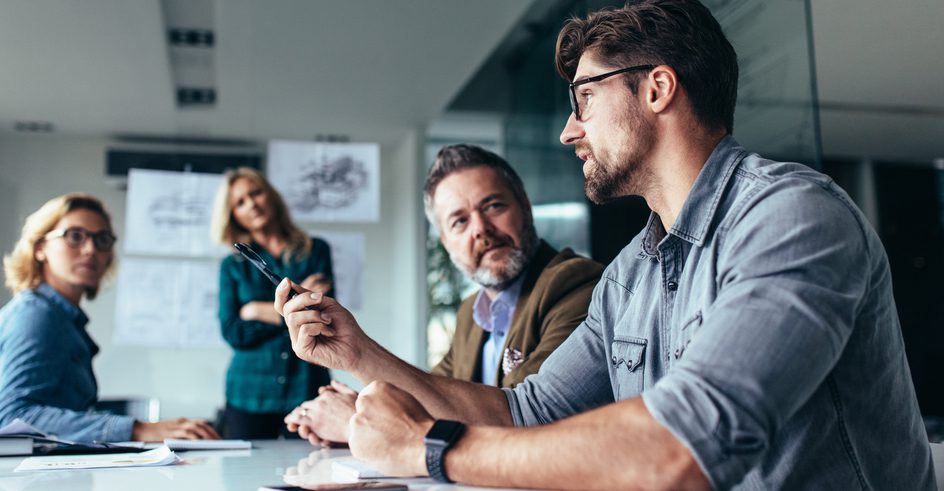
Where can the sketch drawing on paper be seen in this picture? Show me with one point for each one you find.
(329, 183)
(165, 302)
(168, 213)
(174, 210)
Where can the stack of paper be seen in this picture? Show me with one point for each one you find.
(17, 438)
(158, 456)
(16, 445)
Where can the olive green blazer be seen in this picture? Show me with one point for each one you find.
(553, 301)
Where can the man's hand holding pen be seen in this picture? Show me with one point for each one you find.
(322, 331)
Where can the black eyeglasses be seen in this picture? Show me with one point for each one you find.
(103, 240)
(577, 104)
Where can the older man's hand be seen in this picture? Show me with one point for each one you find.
(324, 420)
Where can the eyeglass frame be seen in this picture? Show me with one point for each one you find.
(61, 232)
(596, 78)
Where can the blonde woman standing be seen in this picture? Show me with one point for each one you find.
(265, 380)
(46, 377)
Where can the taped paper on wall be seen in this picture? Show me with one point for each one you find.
(168, 214)
(327, 182)
(163, 302)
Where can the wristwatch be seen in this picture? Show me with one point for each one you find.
(440, 437)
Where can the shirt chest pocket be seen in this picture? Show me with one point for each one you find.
(628, 365)
(685, 334)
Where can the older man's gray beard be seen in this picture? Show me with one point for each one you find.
(517, 262)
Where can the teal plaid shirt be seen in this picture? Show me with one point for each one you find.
(265, 376)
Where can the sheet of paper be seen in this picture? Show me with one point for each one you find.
(168, 214)
(156, 457)
(19, 427)
(347, 261)
(163, 302)
(177, 444)
(144, 445)
(327, 182)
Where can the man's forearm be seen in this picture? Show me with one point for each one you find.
(619, 446)
(443, 397)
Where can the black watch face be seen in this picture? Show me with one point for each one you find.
(445, 431)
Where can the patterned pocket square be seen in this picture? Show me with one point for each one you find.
(511, 360)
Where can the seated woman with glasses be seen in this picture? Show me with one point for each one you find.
(46, 378)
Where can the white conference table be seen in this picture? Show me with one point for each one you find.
(270, 462)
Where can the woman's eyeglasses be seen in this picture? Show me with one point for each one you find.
(103, 240)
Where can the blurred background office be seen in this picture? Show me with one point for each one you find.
(90, 89)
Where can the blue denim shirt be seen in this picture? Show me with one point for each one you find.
(46, 374)
(760, 330)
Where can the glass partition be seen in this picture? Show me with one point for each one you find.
(776, 116)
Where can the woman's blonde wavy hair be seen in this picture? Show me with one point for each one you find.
(21, 268)
(226, 230)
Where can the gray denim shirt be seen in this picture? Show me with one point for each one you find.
(760, 330)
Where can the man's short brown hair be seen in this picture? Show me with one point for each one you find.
(679, 33)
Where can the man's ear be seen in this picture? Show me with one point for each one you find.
(662, 88)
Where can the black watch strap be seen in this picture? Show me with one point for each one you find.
(434, 463)
(443, 434)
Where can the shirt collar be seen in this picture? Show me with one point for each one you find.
(72, 311)
(701, 205)
(507, 299)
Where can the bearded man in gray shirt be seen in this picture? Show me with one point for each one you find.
(746, 338)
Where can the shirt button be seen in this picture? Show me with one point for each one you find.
(281, 379)
(284, 355)
(672, 286)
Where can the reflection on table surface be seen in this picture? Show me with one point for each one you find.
(270, 462)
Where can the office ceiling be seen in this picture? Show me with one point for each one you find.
(370, 70)
(361, 69)
(880, 78)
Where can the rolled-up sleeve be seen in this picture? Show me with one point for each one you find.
(570, 381)
(792, 268)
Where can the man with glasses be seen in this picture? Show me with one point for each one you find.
(747, 337)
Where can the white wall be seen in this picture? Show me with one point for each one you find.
(190, 382)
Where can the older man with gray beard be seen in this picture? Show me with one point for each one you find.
(532, 296)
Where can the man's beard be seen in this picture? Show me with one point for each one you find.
(517, 261)
(608, 179)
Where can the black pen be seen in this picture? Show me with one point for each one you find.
(261, 265)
